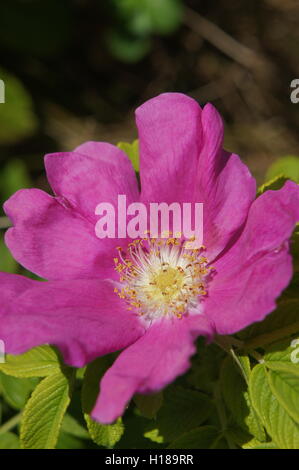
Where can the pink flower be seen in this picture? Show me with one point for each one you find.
(83, 308)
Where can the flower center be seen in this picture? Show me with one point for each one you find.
(160, 276)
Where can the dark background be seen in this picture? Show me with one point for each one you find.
(75, 70)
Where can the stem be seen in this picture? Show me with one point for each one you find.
(268, 338)
(222, 415)
(11, 423)
(226, 343)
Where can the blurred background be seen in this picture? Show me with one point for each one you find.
(75, 70)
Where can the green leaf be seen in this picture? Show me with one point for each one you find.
(9, 440)
(279, 353)
(182, 411)
(284, 383)
(283, 430)
(127, 48)
(282, 323)
(149, 405)
(7, 262)
(154, 436)
(38, 362)
(44, 412)
(132, 150)
(17, 118)
(71, 426)
(255, 444)
(205, 369)
(287, 166)
(273, 184)
(14, 176)
(165, 15)
(105, 435)
(16, 391)
(237, 399)
(295, 248)
(205, 437)
(143, 17)
(102, 435)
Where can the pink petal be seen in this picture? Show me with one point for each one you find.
(11, 286)
(53, 241)
(254, 272)
(99, 173)
(170, 135)
(151, 363)
(84, 319)
(224, 184)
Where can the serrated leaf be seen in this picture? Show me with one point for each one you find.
(283, 430)
(105, 435)
(237, 399)
(182, 411)
(149, 405)
(205, 437)
(132, 150)
(16, 391)
(102, 435)
(280, 352)
(284, 383)
(44, 412)
(9, 440)
(38, 362)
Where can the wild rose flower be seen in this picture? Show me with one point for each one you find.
(83, 308)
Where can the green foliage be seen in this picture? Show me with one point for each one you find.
(44, 412)
(138, 20)
(273, 184)
(17, 118)
(243, 394)
(182, 411)
(103, 435)
(132, 150)
(285, 166)
(16, 391)
(14, 176)
(7, 262)
(205, 437)
(282, 428)
(8, 440)
(38, 362)
(149, 405)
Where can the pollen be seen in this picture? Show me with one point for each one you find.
(161, 277)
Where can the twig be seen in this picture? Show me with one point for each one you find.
(220, 39)
(11, 423)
